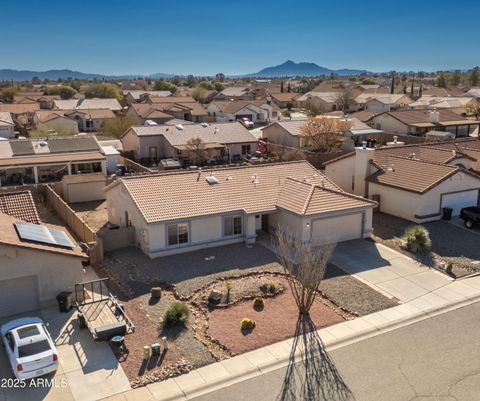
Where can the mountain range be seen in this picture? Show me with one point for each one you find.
(287, 69)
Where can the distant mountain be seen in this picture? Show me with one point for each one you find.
(291, 69)
(25, 75)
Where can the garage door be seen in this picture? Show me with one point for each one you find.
(338, 229)
(18, 295)
(459, 200)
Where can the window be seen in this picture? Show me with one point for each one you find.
(232, 225)
(177, 234)
(153, 152)
(128, 219)
(33, 348)
(245, 149)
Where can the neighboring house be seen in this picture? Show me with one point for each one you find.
(418, 122)
(324, 101)
(283, 99)
(144, 111)
(185, 211)
(259, 112)
(236, 93)
(135, 96)
(45, 101)
(460, 105)
(56, 121)
(33, 271)
(91, 120)
(289, 133)
(7, 126)
(226, 142)
(413, 182)
(43, 160)
(87, 104)
(19, 108)
(181, 107)
(380, 102)
(473, 92)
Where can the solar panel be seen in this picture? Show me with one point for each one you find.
(43, 235)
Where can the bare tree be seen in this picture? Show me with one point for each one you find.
(286, 153)
(196, 151)
(304, 264)
(325, 134)
(345, 98)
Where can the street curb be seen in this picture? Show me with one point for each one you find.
(215, 385)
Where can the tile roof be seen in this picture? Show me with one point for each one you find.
(49, 158)
(252, 189)
(235, 91)
(306, 198)
(363, 116)
(284, 97)
(93, 113)
(146, 110)
(171, 99)
(6, 118)
(10, 237)
(385, 98)
(414, 117)
(233, 106)
(19, 205)
(328, 97)
(136, 94)
(213, 133)
(412, 174)
(19, 108)
(441, 102)
(87, 104)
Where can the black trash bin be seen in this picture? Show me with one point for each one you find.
(447, 213)
(65, 301)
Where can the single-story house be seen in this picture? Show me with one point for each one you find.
(7, 126)
(42, 160)
(418, 122)
(289, 133)
(461, 105)
(88, 104)
(236, 93)
(181, 107)
(324, 101)
(259, 112)
(184, 211)
(283, 99)
(34, 269)
(19, 108)
(45, 101)
(91, 120)
(413, 182)
(226, 142)
(145, 111)
(56, 120)
(380, 102)
(135, 96)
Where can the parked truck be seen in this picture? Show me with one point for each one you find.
(470, 216)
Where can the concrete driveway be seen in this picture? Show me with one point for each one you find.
(386, 270)
(88, 370)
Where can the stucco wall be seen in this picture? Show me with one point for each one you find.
(342, 172)
(83, 192)
(55, 272)
(408, 204)
(279, 135)
(389, 124)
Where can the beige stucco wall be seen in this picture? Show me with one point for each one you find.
(131, 142)
(342, 172)
(389, 124)
(83, 192)
(408, 204)
(55, 272)
(279, 135)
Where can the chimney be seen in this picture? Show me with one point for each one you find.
(434, 116)
(362, 169)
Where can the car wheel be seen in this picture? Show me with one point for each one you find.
(468, 223)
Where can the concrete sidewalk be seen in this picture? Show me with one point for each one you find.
(425, 293)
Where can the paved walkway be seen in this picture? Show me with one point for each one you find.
(424, 293)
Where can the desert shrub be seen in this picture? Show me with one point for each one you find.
(416, 239)
(248, 324)
(258, 303)
(177, 313)
(156, 292)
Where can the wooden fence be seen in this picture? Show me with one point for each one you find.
(81, 229)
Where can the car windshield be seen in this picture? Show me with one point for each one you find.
(27, 331)
(33, 348)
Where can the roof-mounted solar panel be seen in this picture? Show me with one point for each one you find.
(43, 235)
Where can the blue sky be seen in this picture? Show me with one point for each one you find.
(210, 36)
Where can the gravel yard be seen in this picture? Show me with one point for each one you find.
(450, 243)
(93, 213)
(192, 270)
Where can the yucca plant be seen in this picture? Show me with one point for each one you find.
(416, 239)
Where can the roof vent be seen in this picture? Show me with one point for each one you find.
(179, 127)
(204, 125)
(43, 143)
(211, 180)
(215, 131)
(229, 178)
(306, 179)
(255, 179)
